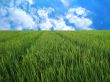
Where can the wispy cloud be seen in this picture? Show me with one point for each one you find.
(65, 2)
(30, 2)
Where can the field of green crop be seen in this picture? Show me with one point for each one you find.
(54, 56)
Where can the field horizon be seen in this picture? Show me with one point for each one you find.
(55, 56)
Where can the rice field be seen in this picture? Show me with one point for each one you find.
(54, 56)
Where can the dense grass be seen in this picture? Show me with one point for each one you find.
(55, 56)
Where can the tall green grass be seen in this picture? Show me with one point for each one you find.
(55, 56)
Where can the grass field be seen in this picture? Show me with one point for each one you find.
(54, 56)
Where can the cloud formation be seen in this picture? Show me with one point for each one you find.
(21, 15)
(78, 16)
(48, 23)
(21, 19)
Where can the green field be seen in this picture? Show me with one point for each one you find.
(54, 56)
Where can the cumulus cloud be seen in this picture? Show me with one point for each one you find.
(45, 23)
(21, 18)
(48, 23)
(22, 15)
(17, 19)
(60, 24)
(78, 16)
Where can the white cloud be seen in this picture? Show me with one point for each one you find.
(77, 16)
(21, 18)
(43, 13)
(80, 11)
(40, 18)
(48, 23)
(45, 23)
(17, 17)
(60, 24)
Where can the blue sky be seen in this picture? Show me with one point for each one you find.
(54, 15)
